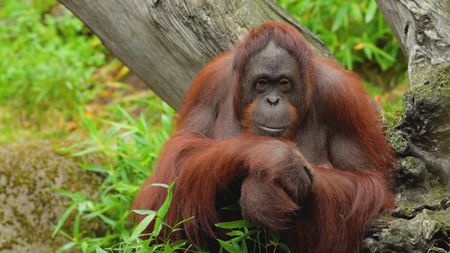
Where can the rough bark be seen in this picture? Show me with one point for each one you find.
(166, 42)
(423, 29)
(421, 220)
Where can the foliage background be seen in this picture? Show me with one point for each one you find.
(354, 31)
(57, 82)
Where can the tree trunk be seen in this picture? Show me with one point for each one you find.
(423, 29)
(421, 220)
(166, 42)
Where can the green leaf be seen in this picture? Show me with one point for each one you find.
(356, 12)
(63, 219)
(284, 247)
(144, 212)
(235, 224)
(160, 185)
(229, 247)
(368, 53)
(380, 52)
(68, 246)
(142, 226)
(371, 10)
(100, 250)
(76, 226)
(340, 17)
(235, 233)
(165, 206)
(163, 210)
(86, 151)
(183, 221)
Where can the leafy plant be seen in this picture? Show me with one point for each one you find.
(47, 61)
(355, 31)
(130, 147)
(244, 237)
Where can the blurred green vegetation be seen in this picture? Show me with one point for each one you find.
(52, 70)
(47, 63)
(57, 82)
(47, 60)
(354, 31)
(356, 34)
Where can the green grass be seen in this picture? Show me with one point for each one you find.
(131, 146)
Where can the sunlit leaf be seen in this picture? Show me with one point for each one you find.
(229, 247)
(371, 10)
(234, 224)
(142, 226)
(340, 17)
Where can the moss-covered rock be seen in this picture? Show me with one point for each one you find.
(421, 220)
(419, 223)
(423, 233)
(411, 171)
(425, 125)
(30, 175)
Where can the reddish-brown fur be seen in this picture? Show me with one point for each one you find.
(337, 132)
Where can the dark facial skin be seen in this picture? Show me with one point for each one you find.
(272, 75)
